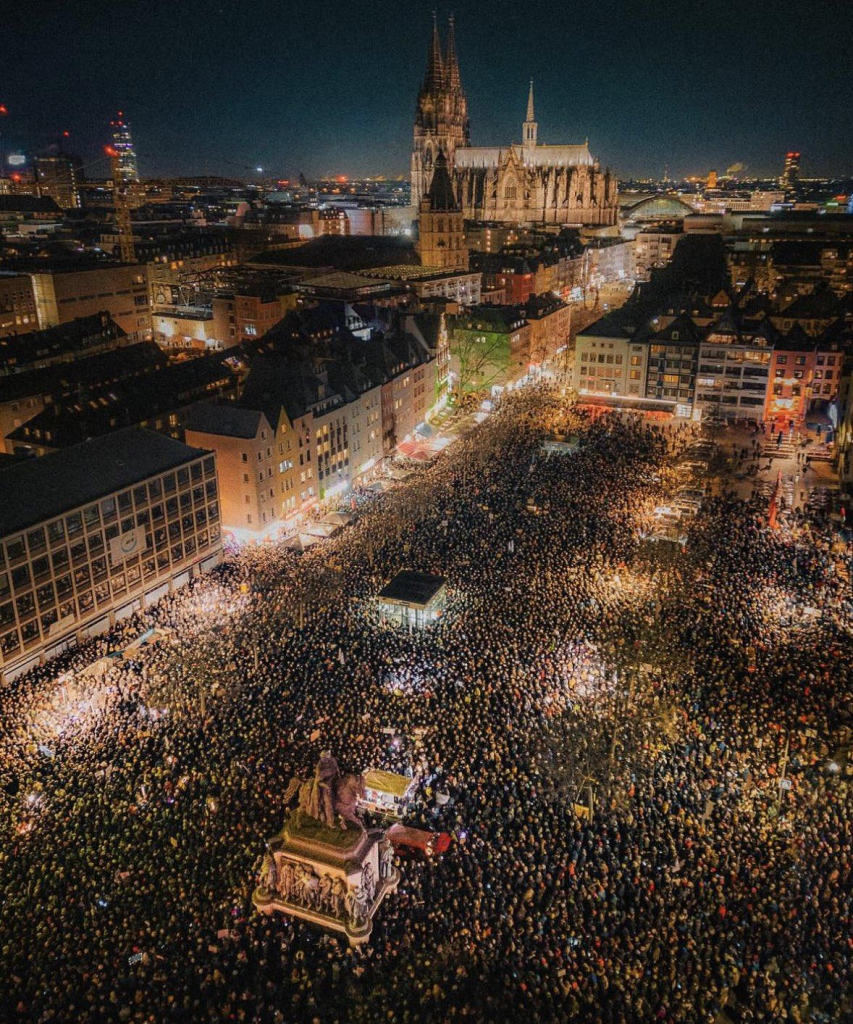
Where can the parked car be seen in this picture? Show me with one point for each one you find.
(416, 842)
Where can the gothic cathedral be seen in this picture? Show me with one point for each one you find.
(526, 183)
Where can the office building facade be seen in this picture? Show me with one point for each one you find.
(80, 551)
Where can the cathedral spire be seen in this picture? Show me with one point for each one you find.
(435, 76)
(451, 62)
(531, 128)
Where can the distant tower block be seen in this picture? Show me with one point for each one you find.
(712, 179)
(791, 174)
(123, 145)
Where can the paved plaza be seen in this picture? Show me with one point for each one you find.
(638, 747)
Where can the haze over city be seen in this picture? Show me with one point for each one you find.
(327, 88)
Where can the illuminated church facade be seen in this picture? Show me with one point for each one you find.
(522, 183)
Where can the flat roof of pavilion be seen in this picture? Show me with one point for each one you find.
(417, 589)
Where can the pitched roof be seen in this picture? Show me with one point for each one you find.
(682, 330)
(225, 419)
(618, 323)
(19, 350)
(484, 317)
(129, 402)
(279, 381)
(538, 306)
(342, 252)
(487, 157)
(63, 377)
(820, 304)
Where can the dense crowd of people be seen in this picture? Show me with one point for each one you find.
(638, 748)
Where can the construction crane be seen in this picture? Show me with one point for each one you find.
(121, 203)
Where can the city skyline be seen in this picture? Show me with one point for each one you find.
(220, 94)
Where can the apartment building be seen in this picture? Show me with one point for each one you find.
(609, 361)
(654, 247)
(319, 411)
(25, 394)
(734, 370)
(18, 312)
(247, 461)
(489, 348)
(672, 363)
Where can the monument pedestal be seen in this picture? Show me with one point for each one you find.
(335, 878)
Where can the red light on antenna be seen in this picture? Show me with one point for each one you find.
(66, 135)
(3, 109)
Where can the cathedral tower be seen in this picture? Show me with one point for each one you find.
(441, 237)
(441, 118)
(531, 128)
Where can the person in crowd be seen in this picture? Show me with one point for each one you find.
(631, 742)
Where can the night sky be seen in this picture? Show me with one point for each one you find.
(222, 86)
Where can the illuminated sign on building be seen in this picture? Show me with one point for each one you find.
(127, 545)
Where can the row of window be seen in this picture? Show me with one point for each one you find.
(71, 598)
(602, 358)
(93, 550)
(147, 498)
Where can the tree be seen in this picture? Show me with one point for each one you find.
(480, 360)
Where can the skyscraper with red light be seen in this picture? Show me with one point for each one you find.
(791, 174)
(123, 144)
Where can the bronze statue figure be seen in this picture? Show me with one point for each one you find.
(330, 797)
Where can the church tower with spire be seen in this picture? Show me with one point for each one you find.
(441, 225)
(529, 184)
(531, 128)
(441, 118)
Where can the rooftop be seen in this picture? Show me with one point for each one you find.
(481, 157)
(341, 280)
(485, 317)
(28, 204)
(53, 343)
(224, 420)
(618, 323)
(413, 588)
(342, 252)
(36, 490)
(95, 370)
(132, 401)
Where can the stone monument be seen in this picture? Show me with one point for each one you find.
(323, 866)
